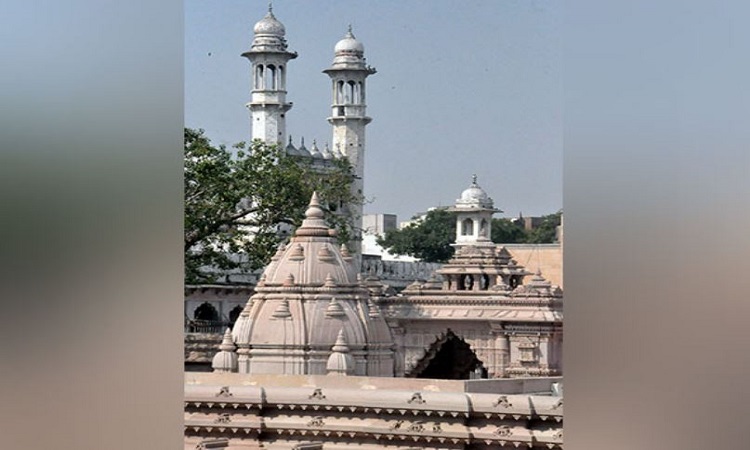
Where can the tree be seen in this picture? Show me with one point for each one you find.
(506, 232)
(546, 232)
(428, 239)
(236, 201)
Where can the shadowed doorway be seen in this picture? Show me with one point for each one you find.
(453, 360)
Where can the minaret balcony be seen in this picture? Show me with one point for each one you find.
(349, 110)
(268, 97)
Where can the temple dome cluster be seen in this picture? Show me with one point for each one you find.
(311, 313)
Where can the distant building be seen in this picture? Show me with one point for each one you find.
(378, 224)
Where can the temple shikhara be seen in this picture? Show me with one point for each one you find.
(324, 354)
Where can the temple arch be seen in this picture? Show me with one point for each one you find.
(450, 357)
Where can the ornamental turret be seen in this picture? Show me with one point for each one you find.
(474, 210)
(269, 57)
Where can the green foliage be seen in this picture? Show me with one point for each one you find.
(234, 204)
(428, 239)
(503, 231)
(547, 231)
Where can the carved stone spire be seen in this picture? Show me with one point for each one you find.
(340, 362)
(226, 359)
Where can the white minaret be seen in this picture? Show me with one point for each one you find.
(349, 118)
(269, 56)
(474, 212)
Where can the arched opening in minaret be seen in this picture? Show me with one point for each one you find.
(450, 358)
(259, 77)
(206, 311)
(340, 92)
(356, 92)
(467, 227)
(234, 314)
(349, 93)
(483, 228)
(281, 81)
(361, 90)
(270, 77)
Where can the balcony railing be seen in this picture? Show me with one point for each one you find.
(206, 326)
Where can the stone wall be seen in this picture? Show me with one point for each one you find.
(335, 412)
(546, 257)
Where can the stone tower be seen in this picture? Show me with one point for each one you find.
(348, 73)
(269, 57)
(474, 212)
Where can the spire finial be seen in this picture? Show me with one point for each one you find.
(314, 200)
(290, 139)
(302, 141)
(474, 179)
(270, 7)
(350, 28)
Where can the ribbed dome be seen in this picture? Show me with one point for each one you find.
(474, 196)
(306, 299)
(474, 193)
(314, 151)
(349, 53)
(291, 149)
(312, 255)
(349, 44)
(269, 25)
(303, 150)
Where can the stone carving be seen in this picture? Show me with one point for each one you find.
(223, 418)
(316, 421)
(397, 425)
(558, 435)
(224, 392)
(416, 398)
(417, 426)
(437, 428)
(503, 430)
(317, 394)
(502, 401)
(559, 404)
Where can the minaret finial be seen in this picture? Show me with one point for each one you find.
(290, 139)
(474, 179)
(350, 28)
(270, 7)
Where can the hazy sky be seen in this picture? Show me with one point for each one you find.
(462, 87)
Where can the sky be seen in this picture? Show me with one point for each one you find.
(462, 88)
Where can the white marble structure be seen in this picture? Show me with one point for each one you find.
(348, 74)
(269, 57)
